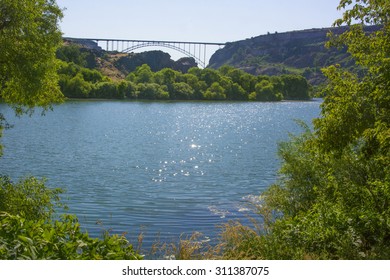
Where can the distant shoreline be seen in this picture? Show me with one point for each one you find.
(186, 101)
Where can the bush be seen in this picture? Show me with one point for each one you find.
(29, 231)
(181, 91)
(107, 90)
(295, 87)
(24, 239)
(265, 91)
(127, 89)
(76, 87)
(29, 198)
(215, 92)
(152, 91)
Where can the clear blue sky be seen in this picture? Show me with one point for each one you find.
(195, 20)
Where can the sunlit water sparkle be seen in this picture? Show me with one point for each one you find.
(164, 169)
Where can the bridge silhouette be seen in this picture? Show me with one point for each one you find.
(196, 50)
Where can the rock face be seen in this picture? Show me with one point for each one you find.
(300, 52)
(157, 60)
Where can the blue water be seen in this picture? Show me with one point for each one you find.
(163, 169)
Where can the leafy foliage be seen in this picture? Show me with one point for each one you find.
(24, 239)
(81, 57)
(265, 91)
(29, 198)
(29, 231)
(29, 37)
(215, 92)
(151, 91)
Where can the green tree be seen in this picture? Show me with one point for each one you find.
(167, 77)
(152, 91)
(92, 76)
(215, 92)
(265, 91)
(210, 76)
(195, 71)
(236, 92)
(71, 53)
(235, 74)
(144, 74)
(198, 86)
(29, 198)
(181, 91)
(29, 38)
(107, 90)
(77, 87)
(127, 89)
(295, 87)
(248, 82)
(74, 53)
(277, 82)
(69, 69)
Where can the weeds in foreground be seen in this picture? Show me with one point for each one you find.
(236, 241)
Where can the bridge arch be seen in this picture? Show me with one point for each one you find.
(177, 47)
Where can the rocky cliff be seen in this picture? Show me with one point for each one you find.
(157, 60)
(300, 52)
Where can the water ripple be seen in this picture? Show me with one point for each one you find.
(159, 168)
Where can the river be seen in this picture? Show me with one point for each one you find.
(165, 169)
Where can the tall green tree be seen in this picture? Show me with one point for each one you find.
(181, 91)
(29, 37)
(295, 87)
(144, 74)
(215, 92)
(265, 91)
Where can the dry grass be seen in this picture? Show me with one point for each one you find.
(107, 68)
(236, 242)
(194, 247)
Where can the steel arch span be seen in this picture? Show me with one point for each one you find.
(198, 59)
(196, 50)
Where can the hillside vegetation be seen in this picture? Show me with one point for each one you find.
(297, 52)
(90, 73)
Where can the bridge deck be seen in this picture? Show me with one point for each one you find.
(146, 41)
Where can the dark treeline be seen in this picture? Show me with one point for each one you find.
(226, 83)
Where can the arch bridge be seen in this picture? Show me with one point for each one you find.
(196, 50)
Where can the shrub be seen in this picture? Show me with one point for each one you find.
(28, 229)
